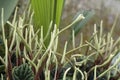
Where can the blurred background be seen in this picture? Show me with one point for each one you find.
(105, 10)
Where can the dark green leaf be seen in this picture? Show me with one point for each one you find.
(23, 72)
(88, 15)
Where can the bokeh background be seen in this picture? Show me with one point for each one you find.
(105, 10)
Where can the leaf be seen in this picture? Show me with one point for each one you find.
(46, 11)
(60, 4)
(23, 72)
(8, 6)
(88, 15)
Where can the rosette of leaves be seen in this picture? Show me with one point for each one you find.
(23, 72)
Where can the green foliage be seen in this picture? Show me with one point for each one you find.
(8, 6)
(27, 58)
(46, 11)
(23, 72)
(88, 15)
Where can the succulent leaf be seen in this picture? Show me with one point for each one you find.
(23, 72)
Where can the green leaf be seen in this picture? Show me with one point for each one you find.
(88, 15)
(8, 6)
(46, 11)
(60, 4)
(23, 72)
